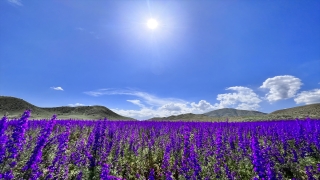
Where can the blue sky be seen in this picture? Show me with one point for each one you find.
(204, 55)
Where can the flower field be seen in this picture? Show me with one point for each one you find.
(78, 149)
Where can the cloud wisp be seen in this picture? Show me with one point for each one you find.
(57, 88)
(146, 97)
(91, 33)
(79, 29)
(15, 2)
(76, 104)
(137, 102)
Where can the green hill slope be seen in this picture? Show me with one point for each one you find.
(230, 112)
(234, 115)
(14, 107)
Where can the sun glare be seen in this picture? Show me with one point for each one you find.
(152, 24)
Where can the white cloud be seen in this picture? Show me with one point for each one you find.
(172, 107)
(308, 97)
(165, 110)
(281, 87)
(76, 104)
(92, 93)
(203, 106)
(142, 114)
(15, 2)
(153, 106)
(136, 102)
(80, 29)
(149, 112)
(57, 88)
(244, 99)
(146, 97)
(150, 105)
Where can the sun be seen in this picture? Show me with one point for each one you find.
(152, 24)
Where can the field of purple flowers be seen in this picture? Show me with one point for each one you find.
(77, 149)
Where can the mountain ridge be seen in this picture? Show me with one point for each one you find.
(300, 112)
(231, 112)
(14, 107)
(181, 117)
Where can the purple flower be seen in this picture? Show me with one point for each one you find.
(284, 144)
(168, 176)
(8, 175)
(271, 172)
(218, 143)
(242, 144)
(231, 143)
(194, 163)
(309, 174)
(15, 145)
(199, 139)
(295, 156)
(185, 167)
(166, 157)
(151, 175)
(36, 157)
(79, 176)
(228, 173)
(60, 159)
(137, 175)
(217, 170)
(94, 152)
(104, 171)
(77, 157)
(3, 138)
(257, 158)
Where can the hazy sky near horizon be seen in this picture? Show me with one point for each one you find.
(204, 55)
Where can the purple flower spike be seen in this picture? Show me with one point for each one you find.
(15, 145)
(104, 171)
(257, 158)
(3, 138)
(309, 174)
(79, 176)
(60, 159)
(166, 158)
(151, 175)
(32, 165)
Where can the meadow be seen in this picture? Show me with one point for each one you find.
(104, 149)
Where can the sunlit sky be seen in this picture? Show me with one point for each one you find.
(201, 56)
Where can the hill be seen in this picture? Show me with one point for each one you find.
(312, 110)
(229, 112)
(234, 115)
(14, 107)
(216, 115)
(188, 116)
